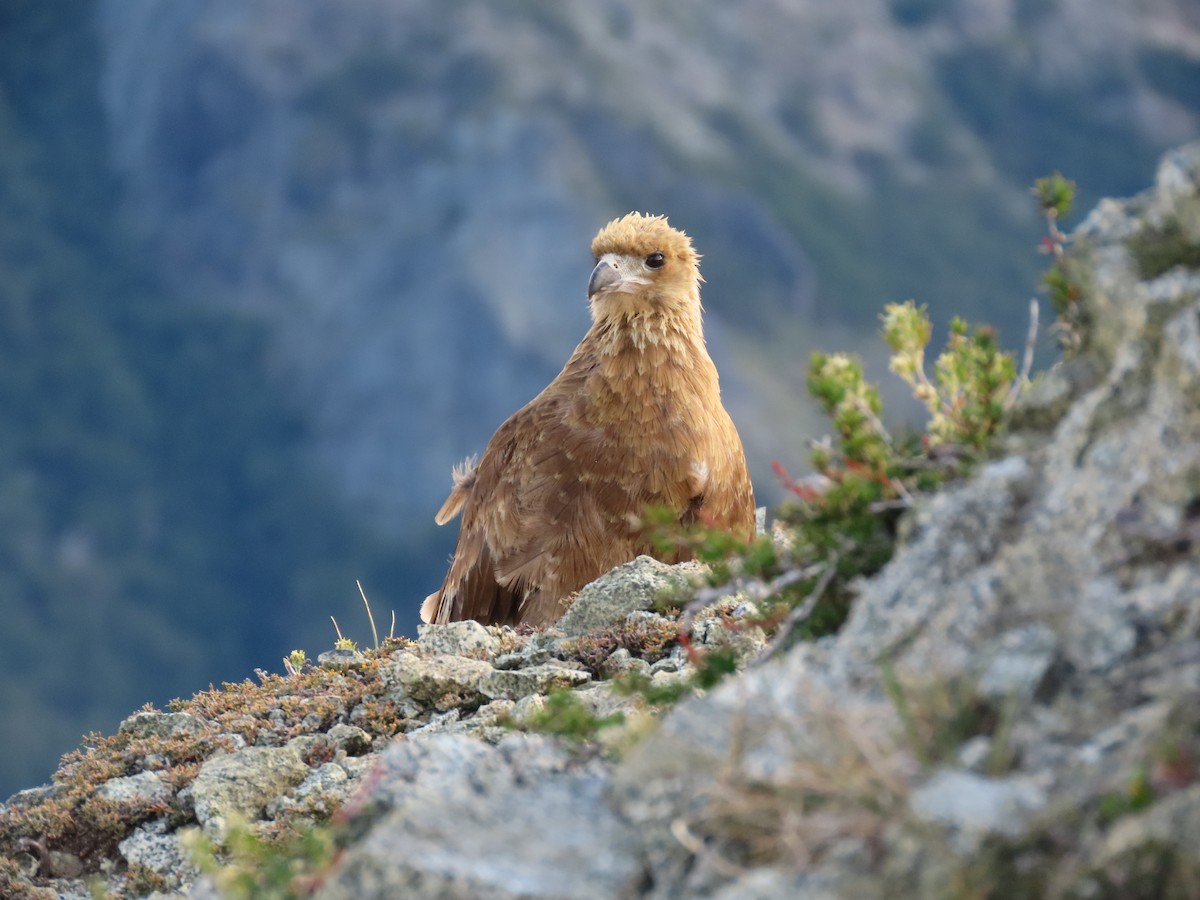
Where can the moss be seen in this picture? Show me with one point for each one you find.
(74, 820)
(266, 865)
(140, 881)
(647, 639)
(1157, 250)
(565, 715)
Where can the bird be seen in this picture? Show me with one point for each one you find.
(633, 420)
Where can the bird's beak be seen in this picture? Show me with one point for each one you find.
(604, 277)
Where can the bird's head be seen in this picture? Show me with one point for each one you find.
(641, 263)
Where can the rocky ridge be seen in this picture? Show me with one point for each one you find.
(1011, 706)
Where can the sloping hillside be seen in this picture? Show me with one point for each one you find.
(267, 270)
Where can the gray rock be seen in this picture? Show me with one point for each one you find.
(325, 789)
(745, 643)
(667, 664)
(974, 807)
(530, 655)
(339, 660)
(32, 796)
(455, 815)
(1018, 663)
(157, 847)
(324, 779)
(435, 679)
(517, 683)
(1157, 845)
(350, 739)
(622, 662)
(776, 883)
(467, 638)
(438, 722)
(142, 789)
(610, 598)
(243, 783)
(160, 724)
(974, 754)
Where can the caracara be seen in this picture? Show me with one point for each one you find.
(633, 420)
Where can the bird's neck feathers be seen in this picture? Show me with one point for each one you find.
(625, 323)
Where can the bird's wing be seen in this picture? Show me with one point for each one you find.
(546, 511)
(548, 507)
(500, 556)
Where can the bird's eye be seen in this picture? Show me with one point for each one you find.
(655, 260)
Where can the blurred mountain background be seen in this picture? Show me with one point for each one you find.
(268, 269)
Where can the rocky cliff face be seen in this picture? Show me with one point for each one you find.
(1010, 708)
(405, 192)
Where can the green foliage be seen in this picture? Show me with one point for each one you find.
(1137, 795)
(969, 396)
(295, 662)
(1158, 249)
(1066, 281)
(846, 519)
(1055, 193)
(840, 525)
(252, 867)
(939, 716)
(566, 715)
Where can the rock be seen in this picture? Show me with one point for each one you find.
(1152, 853)
(530, 655)
(437, 679)
(622, 662)
(974, 807)
(339, 660)
(159, 724)
(350, 739)
(1018, 663)
(31, 797)
(243, 783)
(518, 683)
(610, 598)
(453, 816)
(745, 643)
(157, 846)
(467, 638)
(975, 753)
(320, 794)
(143, 789)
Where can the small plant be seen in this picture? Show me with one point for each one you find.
(342, 642)
(971, 393)
(251, 867)
(566, 715)
(1158, 249)
(1065, 280)
(840, 524)
(1137, 795)
(295, 662)
(939, 716)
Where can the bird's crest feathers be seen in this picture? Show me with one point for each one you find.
(640, 234)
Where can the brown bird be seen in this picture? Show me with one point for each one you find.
(634, 419)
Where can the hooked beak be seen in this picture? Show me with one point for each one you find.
(604, 277)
